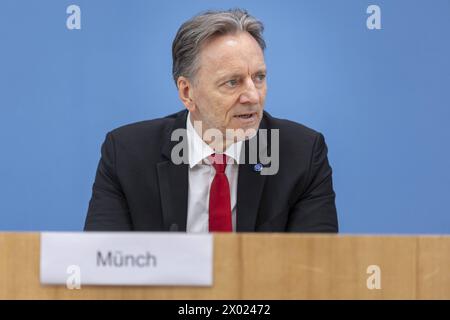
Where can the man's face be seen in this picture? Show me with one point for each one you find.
(229, 89)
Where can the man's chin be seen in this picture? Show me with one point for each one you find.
(245, 131)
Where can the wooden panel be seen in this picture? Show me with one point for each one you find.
(19, 275)
(286, 266)
(327, 267)
(395, 256)
(266, 266)
(433, 278)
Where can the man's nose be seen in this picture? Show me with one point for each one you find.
(250, 95)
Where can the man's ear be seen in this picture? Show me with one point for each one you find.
(185, 92)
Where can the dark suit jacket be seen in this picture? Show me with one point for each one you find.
(137, 187)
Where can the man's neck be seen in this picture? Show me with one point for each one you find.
(219, 145)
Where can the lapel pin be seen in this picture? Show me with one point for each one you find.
(258, 167)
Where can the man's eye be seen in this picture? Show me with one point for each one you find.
(231, 83)
(260, 77)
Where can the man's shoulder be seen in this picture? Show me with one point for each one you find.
(297, 142)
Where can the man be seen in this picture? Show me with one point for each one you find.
(220, 73)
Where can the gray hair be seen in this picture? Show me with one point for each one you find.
(202, 27)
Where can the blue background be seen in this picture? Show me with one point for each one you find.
(380, 97)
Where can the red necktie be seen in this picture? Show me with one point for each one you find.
(219, 197)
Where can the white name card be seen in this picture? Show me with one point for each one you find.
(118, 258)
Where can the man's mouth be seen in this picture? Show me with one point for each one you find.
(246, 115)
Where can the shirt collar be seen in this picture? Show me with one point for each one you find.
(199, 150)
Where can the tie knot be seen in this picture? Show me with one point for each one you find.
(219, 162)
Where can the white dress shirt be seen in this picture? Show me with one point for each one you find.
(201, 175)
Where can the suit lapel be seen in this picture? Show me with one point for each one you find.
(173, 181)
(250, 186)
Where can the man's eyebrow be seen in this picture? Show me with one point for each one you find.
(228, 76)
(233, 75)
(261, 70)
